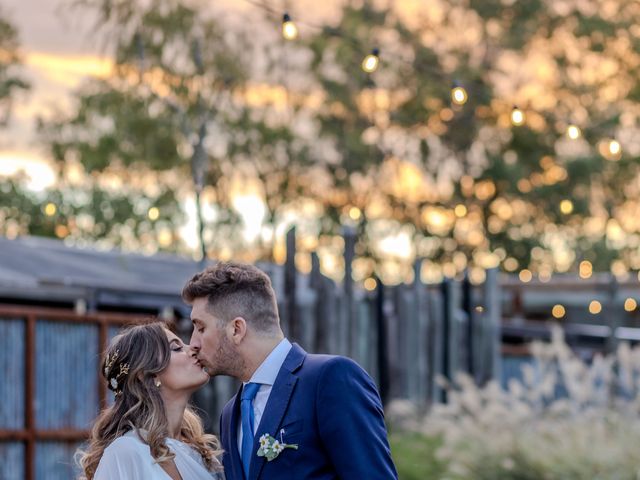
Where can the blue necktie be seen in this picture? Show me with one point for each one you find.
(246, 409)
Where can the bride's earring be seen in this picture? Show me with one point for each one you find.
(158, 383)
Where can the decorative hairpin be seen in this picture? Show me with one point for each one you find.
(123, 372)
(109, 361)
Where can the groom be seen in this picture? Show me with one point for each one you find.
(297, 416)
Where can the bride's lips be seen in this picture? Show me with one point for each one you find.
(199, 364)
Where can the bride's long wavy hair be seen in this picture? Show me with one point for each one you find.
(142, 351)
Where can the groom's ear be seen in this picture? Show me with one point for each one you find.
(237, 329)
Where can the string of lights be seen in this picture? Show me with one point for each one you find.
(459, 96)
(610, 148)
(371, 63)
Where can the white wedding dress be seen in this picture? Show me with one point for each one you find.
(129, 458)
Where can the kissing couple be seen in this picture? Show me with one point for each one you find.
(296, 415)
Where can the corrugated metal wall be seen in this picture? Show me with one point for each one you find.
(39, 436)
(12, 366)
(66, 383)
(12, 415)
(12, 461)
(54, 460)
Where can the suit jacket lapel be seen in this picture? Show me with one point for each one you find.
(236, 461)
(276, 405)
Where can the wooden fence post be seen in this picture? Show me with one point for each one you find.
(467, 306)
(349, 235)
(382, 345)
(421, 336)
(290, 273)
(613, 313)
(319, 283)
(452, 321)
(436, 343)
(492, 321)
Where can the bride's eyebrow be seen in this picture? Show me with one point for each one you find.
(175, 340)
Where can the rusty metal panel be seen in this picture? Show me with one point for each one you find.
(12, 366)
(12, 461)
(54, 461)
(66, 392)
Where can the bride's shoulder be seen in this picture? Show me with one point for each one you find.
(129, 444)
(126, 455)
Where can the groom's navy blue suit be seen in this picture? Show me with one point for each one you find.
(331, 409)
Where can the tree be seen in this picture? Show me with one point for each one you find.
(387, 151)
(10, 81)
(176, 102)
(78, 210)
(470, 187)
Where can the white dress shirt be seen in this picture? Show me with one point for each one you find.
(265, 375)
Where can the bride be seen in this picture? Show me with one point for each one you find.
(150, 433)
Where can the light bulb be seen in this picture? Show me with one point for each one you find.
(573, 132)
(517, 116)
(289, 29)
(371, 61)
(459, 95)
(614, 147)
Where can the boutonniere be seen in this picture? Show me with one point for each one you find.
(272, 447)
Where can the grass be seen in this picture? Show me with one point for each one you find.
(414, 456)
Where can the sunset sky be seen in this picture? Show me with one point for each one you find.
(59, 51)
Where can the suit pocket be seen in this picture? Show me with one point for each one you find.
(290, 429)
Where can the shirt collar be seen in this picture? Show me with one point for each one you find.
(268, 370)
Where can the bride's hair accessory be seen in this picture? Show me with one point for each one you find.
(115, 380)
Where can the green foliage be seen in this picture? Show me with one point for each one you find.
(117, 127)
(10, 81)
(565, 419)
(414, 455)
(91, 213)
(389, 145)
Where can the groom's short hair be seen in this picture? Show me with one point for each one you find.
(236, 290)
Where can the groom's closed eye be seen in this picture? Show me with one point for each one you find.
(198, 326)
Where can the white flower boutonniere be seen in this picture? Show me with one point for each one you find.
(271, 447)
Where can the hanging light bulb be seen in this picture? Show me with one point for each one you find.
(517, 116)
(371, 61)
(614, 147)
(459, 95)
(573, 132)
(610, 149)
(289, 29)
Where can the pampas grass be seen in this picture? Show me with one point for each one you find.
(566, 420)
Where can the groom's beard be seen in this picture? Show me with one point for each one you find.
(226, 360)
